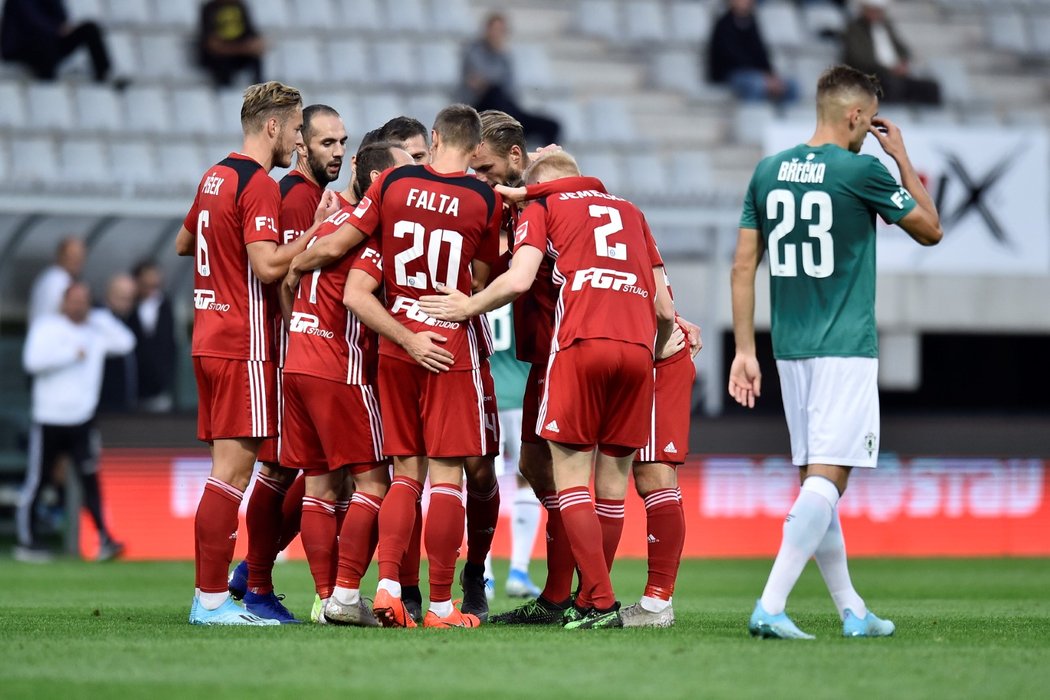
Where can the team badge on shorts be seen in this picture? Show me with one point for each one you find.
(869, 443)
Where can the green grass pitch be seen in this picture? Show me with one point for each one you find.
(965, 628)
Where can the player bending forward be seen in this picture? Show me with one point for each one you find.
(813, 207)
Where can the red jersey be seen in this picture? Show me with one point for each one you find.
(299, 200)
(431, 227)
(604, 257)
(237, 203)
(325, 340)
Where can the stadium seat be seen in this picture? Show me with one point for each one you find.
(532, 68)
(690, 22)
(35, 164)
(405, 15)
(935, 116)
(271, 15)
(570, 115)
(604, 166)
(646, 175)
(12, 105)
(751, 121)
(5, 167)
(644, 22)
(1039, 26)
(85, 164)
(426, 106)
(440, 64)
(1005, 31)
(312, 14)
(148, 109)
(394, 63)
(229, 106)
(80, 10)
(124, 53)
(98, 108)
(779, 24)
(181, 15)
(346, 60)
(194, 110)
(378, 109)
(165, 56)
(452, 17)
(677, 69)
(342, 102)
(50, 106)
(135, 163)
(296, 61)
(599, 18)
(951, 73)
(690, 173)
(125, 13)
(181, 164)
(610, 121)
(823, 17)
(360, 15)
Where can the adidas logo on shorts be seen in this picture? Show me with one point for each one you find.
(552, 426)
(669, 447)
(651, 539)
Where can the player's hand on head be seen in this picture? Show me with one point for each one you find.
(745, 380)
(512, 194)
(673, 345)
(424, 349)
(888, 135)
(449, 304)
(549, 148)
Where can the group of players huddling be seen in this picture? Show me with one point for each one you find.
(343, 334)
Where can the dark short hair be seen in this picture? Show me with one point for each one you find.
(317, 110)
(369, 138)
(501, 132)
(403, 128)
(843, 78)
(459, 126)
(374, 156)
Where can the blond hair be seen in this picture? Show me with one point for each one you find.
(265, 101)
(501, 132)
(555, 163)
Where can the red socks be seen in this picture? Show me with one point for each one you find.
(318, 536)
(396, 520)
(665, 527)
(561, 565)
(444, 535)
(610, 516)
(410, 562)
(482, 518)
(215, 528)
(583, 530)
(264, 532)
(292, 512)
(357, 539)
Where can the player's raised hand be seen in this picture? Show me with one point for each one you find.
(745, 380)
(692, 335)
(674, 343)
(512, 194)
(328, 205)
(449, 304)
(424, 349)
(889, 136)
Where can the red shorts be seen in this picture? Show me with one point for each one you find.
(488, 387)
(426, 413)
(530, 403)
(329, 425)
(669, 424)
(270, 450)
(235, 398)
(599, 392)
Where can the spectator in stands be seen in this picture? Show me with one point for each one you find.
(119, 375)
(872, 45)
(65, 353)
(38, 34)
(228, 42)
(153, 324)
(45, 296)
(488, 81)
(737, 57)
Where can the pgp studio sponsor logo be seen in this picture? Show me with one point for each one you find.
(204, 300)
(602, 278)
(308, 324)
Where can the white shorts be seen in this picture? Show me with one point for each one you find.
(510, 437)
(832, 410)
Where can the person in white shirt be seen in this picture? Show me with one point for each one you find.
(65, 354)
(49, 287)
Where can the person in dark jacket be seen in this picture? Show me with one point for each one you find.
(737, 56)
(38, 34)
(229, 42)
(153, 324)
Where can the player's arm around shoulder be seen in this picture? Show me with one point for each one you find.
(922, 223)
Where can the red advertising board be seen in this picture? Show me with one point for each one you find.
(734, 507)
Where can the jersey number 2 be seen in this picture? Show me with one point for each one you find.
(780, 204)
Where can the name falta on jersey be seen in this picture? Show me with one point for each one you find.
(801, 171)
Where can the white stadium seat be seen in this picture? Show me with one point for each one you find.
(134, 163)
(98, 108)
(80, 10)
(128, 12)
(12, 105)
(440, 64)
(148, 109)
(194, 110)
(229, 106)
(779, 24)
(124, 53)
(425, 107)
(570, 115)
(751, 120)
(604, 166)
(297, 61)
(85, 163)
(346, 60)
(598, 18)
(50, 106)
(377, 109)
(271, 14)
(394, 63)
(165, 56)
(1006, 31)
(690, 22)
(532, 67)
(183, 15)
(181, 163)
(610, 121)
(405, 15)
(452, 16)
(646, 174)
(313, 14)
(690, 172)
(676, 70)
(644, 22)
(360, 15)
(37, 161)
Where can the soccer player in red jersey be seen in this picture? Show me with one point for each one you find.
(275, 506)
(333, 423)
(613, 305)
(232, 231)
(438, 226)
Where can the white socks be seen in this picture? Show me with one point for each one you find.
(212, 601)
(390, 586)
(442, 609)
(346, 596)
(653, 605)
(525, 521)
(831, 558)
(804, 528)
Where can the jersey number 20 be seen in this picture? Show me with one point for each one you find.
(815, 207)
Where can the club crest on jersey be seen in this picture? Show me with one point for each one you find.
(362, 207)
(204, 300)
(410, 308)
(308, 324)
(521, 233)
(602, 278)
(870, 442)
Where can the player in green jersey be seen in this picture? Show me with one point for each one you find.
(813, 208)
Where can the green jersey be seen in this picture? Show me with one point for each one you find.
(508, 372)
(815, 207)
